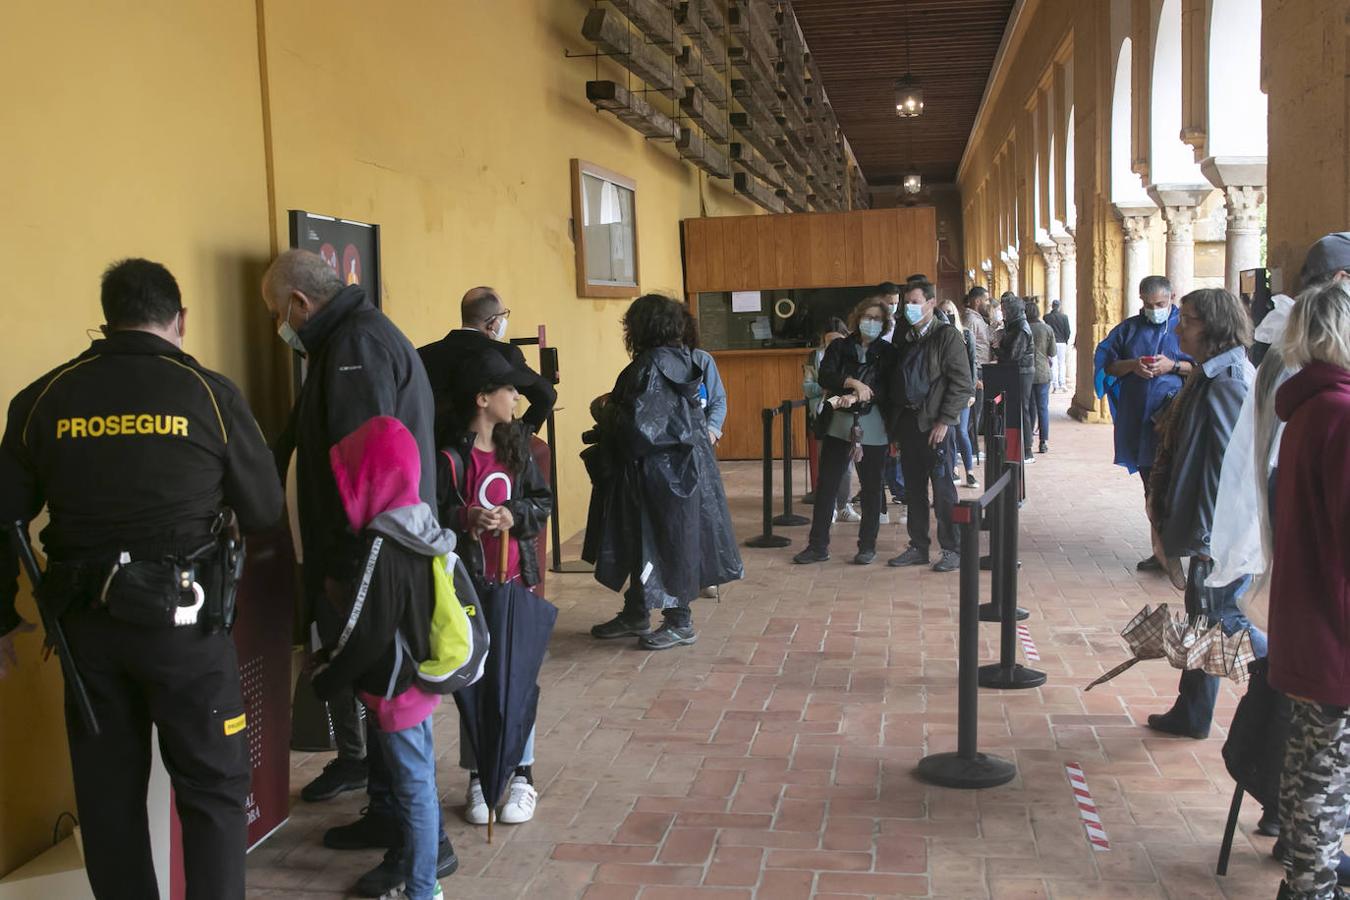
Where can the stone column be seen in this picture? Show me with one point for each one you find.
(1068, 296)
(1134, 221)
(1242, 180)
(1050, 253)
(1012, 264)
(1178, 204)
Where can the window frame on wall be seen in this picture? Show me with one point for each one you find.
(586, 285)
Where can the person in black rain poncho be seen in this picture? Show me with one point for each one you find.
(658, 516)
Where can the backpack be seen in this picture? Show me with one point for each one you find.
(458, 638)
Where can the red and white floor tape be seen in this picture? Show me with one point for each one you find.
(1028, 645)
(1087, 809)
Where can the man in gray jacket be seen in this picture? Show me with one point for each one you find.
(928, 385)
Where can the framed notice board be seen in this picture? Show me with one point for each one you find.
(352, 248)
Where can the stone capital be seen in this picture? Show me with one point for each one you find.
(1179, 203)
(1135, 219)
(1068, 247)
(1049, 252)
(1243, 203)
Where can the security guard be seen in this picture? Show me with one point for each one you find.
(135, 449)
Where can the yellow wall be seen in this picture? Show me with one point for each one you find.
(141, 129)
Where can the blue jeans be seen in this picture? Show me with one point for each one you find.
(380, 785)
(1197, 692)
(1042, 394)
(963, 442)
(411, 757)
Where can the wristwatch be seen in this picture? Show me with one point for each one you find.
(1176, 367)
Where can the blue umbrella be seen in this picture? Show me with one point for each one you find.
(498, 711)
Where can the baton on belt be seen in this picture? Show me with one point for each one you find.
(56, 635)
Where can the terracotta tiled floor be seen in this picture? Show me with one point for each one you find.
(774, 759)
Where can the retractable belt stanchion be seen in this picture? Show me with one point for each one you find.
(768, 538)
(788, 517)
(967, 767)
(995, 456)
(1007, 673)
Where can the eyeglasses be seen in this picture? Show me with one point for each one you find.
(504, 314)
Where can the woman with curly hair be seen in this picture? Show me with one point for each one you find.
(658, 517)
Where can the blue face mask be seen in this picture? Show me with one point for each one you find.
(870, 328)
(1158, 316)
(913, 313)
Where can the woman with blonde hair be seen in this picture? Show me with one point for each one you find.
(1310, 588)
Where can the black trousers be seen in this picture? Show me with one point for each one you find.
(976, 420)
(635, 603)
(834, 457)
(185, 682)
(1028, 414)
(926, 465)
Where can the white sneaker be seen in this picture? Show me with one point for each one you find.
(884, 520)
(520, 800)
(849, 514)
(475, 806)
(401, 893)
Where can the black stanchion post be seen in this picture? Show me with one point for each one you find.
(788, 517)
(967, 767)
(768, 538)
(993, 610)
(1007, 674)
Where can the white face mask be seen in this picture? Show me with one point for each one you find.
(1157, 315)
(288, 334)
(500, 331)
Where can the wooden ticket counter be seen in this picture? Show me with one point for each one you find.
(765, 287)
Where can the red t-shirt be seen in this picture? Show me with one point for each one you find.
(489, 486)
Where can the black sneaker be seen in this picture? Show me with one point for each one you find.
(338, 776)
(949, 561)
(391, 874)
(864, 557)
(972, 481)
(808, 556)
(378, 831)
(619, 627)
(912, 556)
(668, 636)
(1043, 448)
(1269, 825)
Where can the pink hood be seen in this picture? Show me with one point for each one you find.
(377, 469)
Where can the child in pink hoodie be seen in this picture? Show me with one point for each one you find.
(386, 634)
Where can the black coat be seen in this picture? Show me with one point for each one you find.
(360, 366)
(458, 352)
(658, 511)
(840, 363)
(531, 504)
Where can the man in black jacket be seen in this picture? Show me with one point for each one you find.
(359, 365)
(455, 357)
(1063, 329)
(928, 385)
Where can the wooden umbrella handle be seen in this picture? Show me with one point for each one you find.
(502, 564)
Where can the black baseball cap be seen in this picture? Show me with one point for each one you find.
(1330, 254)
(491, 371)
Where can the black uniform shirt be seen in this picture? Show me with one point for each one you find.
(132, 446)
(452, 363)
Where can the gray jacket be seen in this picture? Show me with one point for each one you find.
(1212, 408)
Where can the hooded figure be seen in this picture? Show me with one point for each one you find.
(1017, 347)
(658, 509)
(377, 469)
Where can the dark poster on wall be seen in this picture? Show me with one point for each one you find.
(351, 248)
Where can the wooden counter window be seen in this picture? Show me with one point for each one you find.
(604, 217)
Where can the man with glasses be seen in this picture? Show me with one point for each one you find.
(483, 319)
